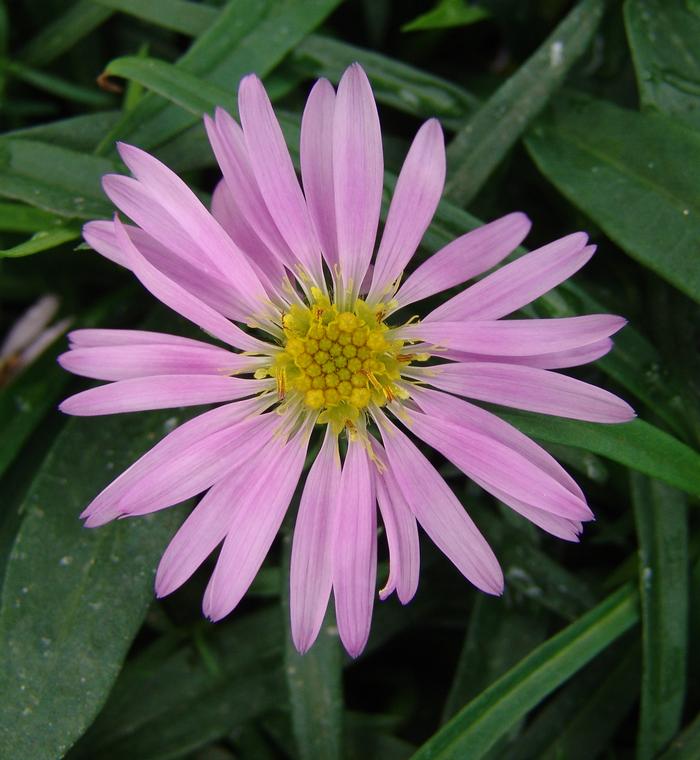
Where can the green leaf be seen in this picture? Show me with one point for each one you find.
(685, 746)
(662, 526)
(177, 15)
(580, 721)
(477, 727)
(315, 685)
(17, 217)
(60, 88)
(664, 36)
(185, 90)
(81, 18)
(245, 37)
(498, 637)
(171, 700)
(64, 182)
(487, 136)
(43, 240)
(633, 174)
(73, 599)
(637, 444)
(447, 14)
(396, 84)
(79, 133)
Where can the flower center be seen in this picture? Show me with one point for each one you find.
(338, 361)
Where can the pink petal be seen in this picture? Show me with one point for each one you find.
(255, 519)
(514, 337)
(182, 453)
(210, 288)
(201, 533)
(556, 360)
(228, 213)
(161, 392)
(317, 166)
(464, 258)
(142, 360)
(561, 527)
(182, 301)
(183, 205)
(493, 464)
(355, 550)
(519, 283)
(358, 172)
(275, 174)
(228, 144)
(415, 199)
(98, 338)
(311, 571)
(401, 533)
(536, 390)
(439, 512)
(458, 411)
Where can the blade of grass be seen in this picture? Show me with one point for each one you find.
(394, 83)
(481, 143)
(78, 21)
(314, 683)
(479, 725)
(662, 526)
(44, 240)
(604, 158)
(664, 38)
(176, 15)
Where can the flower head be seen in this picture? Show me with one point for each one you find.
(327, 350)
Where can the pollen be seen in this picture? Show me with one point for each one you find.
(339, 362)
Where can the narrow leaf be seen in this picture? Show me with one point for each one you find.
(447, 14)
(477, 727)
(633, 174)
(637, 444)
(177, 15)
(78, 21)
(488, 135)
(64, 182)
(662, 526)
(664, 36)
(43, 240)
(73, 595)
(685, 746)
(314, 681)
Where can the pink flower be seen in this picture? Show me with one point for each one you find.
(297, 267)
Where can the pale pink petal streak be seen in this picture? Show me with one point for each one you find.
(275, 174)
(536, 390)
(182, 204)
(416, 196)
(161, 392)
(401, 533)
(519, 283)
(311, 569)
(514, 337)
(228, 144)
(256, 515)
(142, 360)
(317, 166)
(194, 455)
(488, 461)
(182, 301)
(355, 549)
(468, 256)
(555, 360)
(203, 530)
(358, 171)
(198, 279)
(439, 512)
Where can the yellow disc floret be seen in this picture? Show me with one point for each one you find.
(338, 361)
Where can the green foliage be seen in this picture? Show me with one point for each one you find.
(583, 115)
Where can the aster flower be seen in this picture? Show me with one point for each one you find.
(327, 351)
